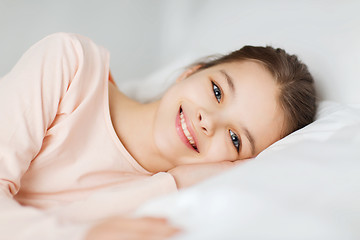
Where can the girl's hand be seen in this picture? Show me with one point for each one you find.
(120, 228)
(187, 175)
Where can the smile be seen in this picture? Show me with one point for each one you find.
(183, 131)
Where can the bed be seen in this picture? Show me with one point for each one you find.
(306, 186)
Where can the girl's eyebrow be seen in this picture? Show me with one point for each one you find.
(231, 85)
(229, 81)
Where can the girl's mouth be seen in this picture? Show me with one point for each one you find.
(184, 132)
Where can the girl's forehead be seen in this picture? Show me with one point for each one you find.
(251, 73)
(241, 69)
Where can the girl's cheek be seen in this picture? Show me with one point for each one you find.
(219, 151)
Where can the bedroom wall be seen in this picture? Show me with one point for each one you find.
(144, 36)
(130, 29)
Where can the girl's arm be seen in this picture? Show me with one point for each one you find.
(188, 175)
(29, 97)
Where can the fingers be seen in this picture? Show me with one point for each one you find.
(146, 228)
(149, 231)
(150, 227)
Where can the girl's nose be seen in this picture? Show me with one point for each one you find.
(207, 122)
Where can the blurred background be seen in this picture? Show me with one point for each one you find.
(146, 35)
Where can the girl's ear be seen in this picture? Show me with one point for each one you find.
(188, 72)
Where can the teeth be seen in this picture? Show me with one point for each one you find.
(186, 131)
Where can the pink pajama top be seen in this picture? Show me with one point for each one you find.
(58, 146)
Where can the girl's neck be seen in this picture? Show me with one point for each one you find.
(133, 123)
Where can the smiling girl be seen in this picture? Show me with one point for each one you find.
(67, 131)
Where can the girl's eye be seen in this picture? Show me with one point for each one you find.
(235, 140)
(217, 92)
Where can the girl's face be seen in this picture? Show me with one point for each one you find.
(226, 112)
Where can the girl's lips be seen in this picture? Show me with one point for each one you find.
(181, 133)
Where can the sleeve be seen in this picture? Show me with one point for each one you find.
(29, 97)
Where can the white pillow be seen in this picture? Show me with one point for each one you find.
(306, 186)
(154, 86)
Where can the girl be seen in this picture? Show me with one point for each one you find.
(67, 131)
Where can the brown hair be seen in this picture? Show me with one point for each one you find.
(297, 95)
